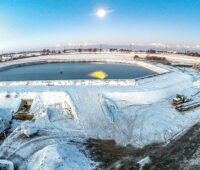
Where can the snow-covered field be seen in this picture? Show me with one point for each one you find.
(137, 114)
(175, 58)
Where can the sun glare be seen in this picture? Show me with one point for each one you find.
(101, 13)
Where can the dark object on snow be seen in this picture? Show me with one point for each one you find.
(196, 66)
(110, 155)
(25, 105)
(173, 156)
(3, 134)
(23, 116)
(157, 59)
(182, 103)
(6, 165)
(179, 99)
(23, 112)
(188, 106)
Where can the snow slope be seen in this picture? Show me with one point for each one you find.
(89, 108)
(138, 114)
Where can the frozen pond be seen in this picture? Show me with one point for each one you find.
(74, 71)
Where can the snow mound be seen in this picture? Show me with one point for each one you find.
(60, 157)
(7, 165)
(110, 107)
(41, 101)
(29, 129)
(147, 122)
(60, 101)
(196, 84)
(31, 137)
(5, 118)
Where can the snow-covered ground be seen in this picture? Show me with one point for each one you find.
(175, 58)
(137, 114)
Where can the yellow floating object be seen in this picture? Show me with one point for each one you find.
(98, 74)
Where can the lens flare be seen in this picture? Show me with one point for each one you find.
(101, 13)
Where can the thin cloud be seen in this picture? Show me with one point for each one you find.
(107, 12)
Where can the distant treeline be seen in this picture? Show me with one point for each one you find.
(189, 53)
(26, 54)
(157, 59)
(194, 54)
(90, 50)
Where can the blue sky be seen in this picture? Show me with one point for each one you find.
(33, 23)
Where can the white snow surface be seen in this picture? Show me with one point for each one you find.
(196, 84)
(138, 114)
(144, 161)
(5, 118)
(8, 164)
(59, 156)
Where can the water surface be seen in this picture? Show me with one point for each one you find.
(73, 71)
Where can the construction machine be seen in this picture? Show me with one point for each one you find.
(179, 99)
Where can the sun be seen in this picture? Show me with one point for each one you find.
(101, 13)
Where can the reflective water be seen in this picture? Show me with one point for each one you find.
(72, 71)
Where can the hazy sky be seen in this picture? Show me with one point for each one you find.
(32, 23)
